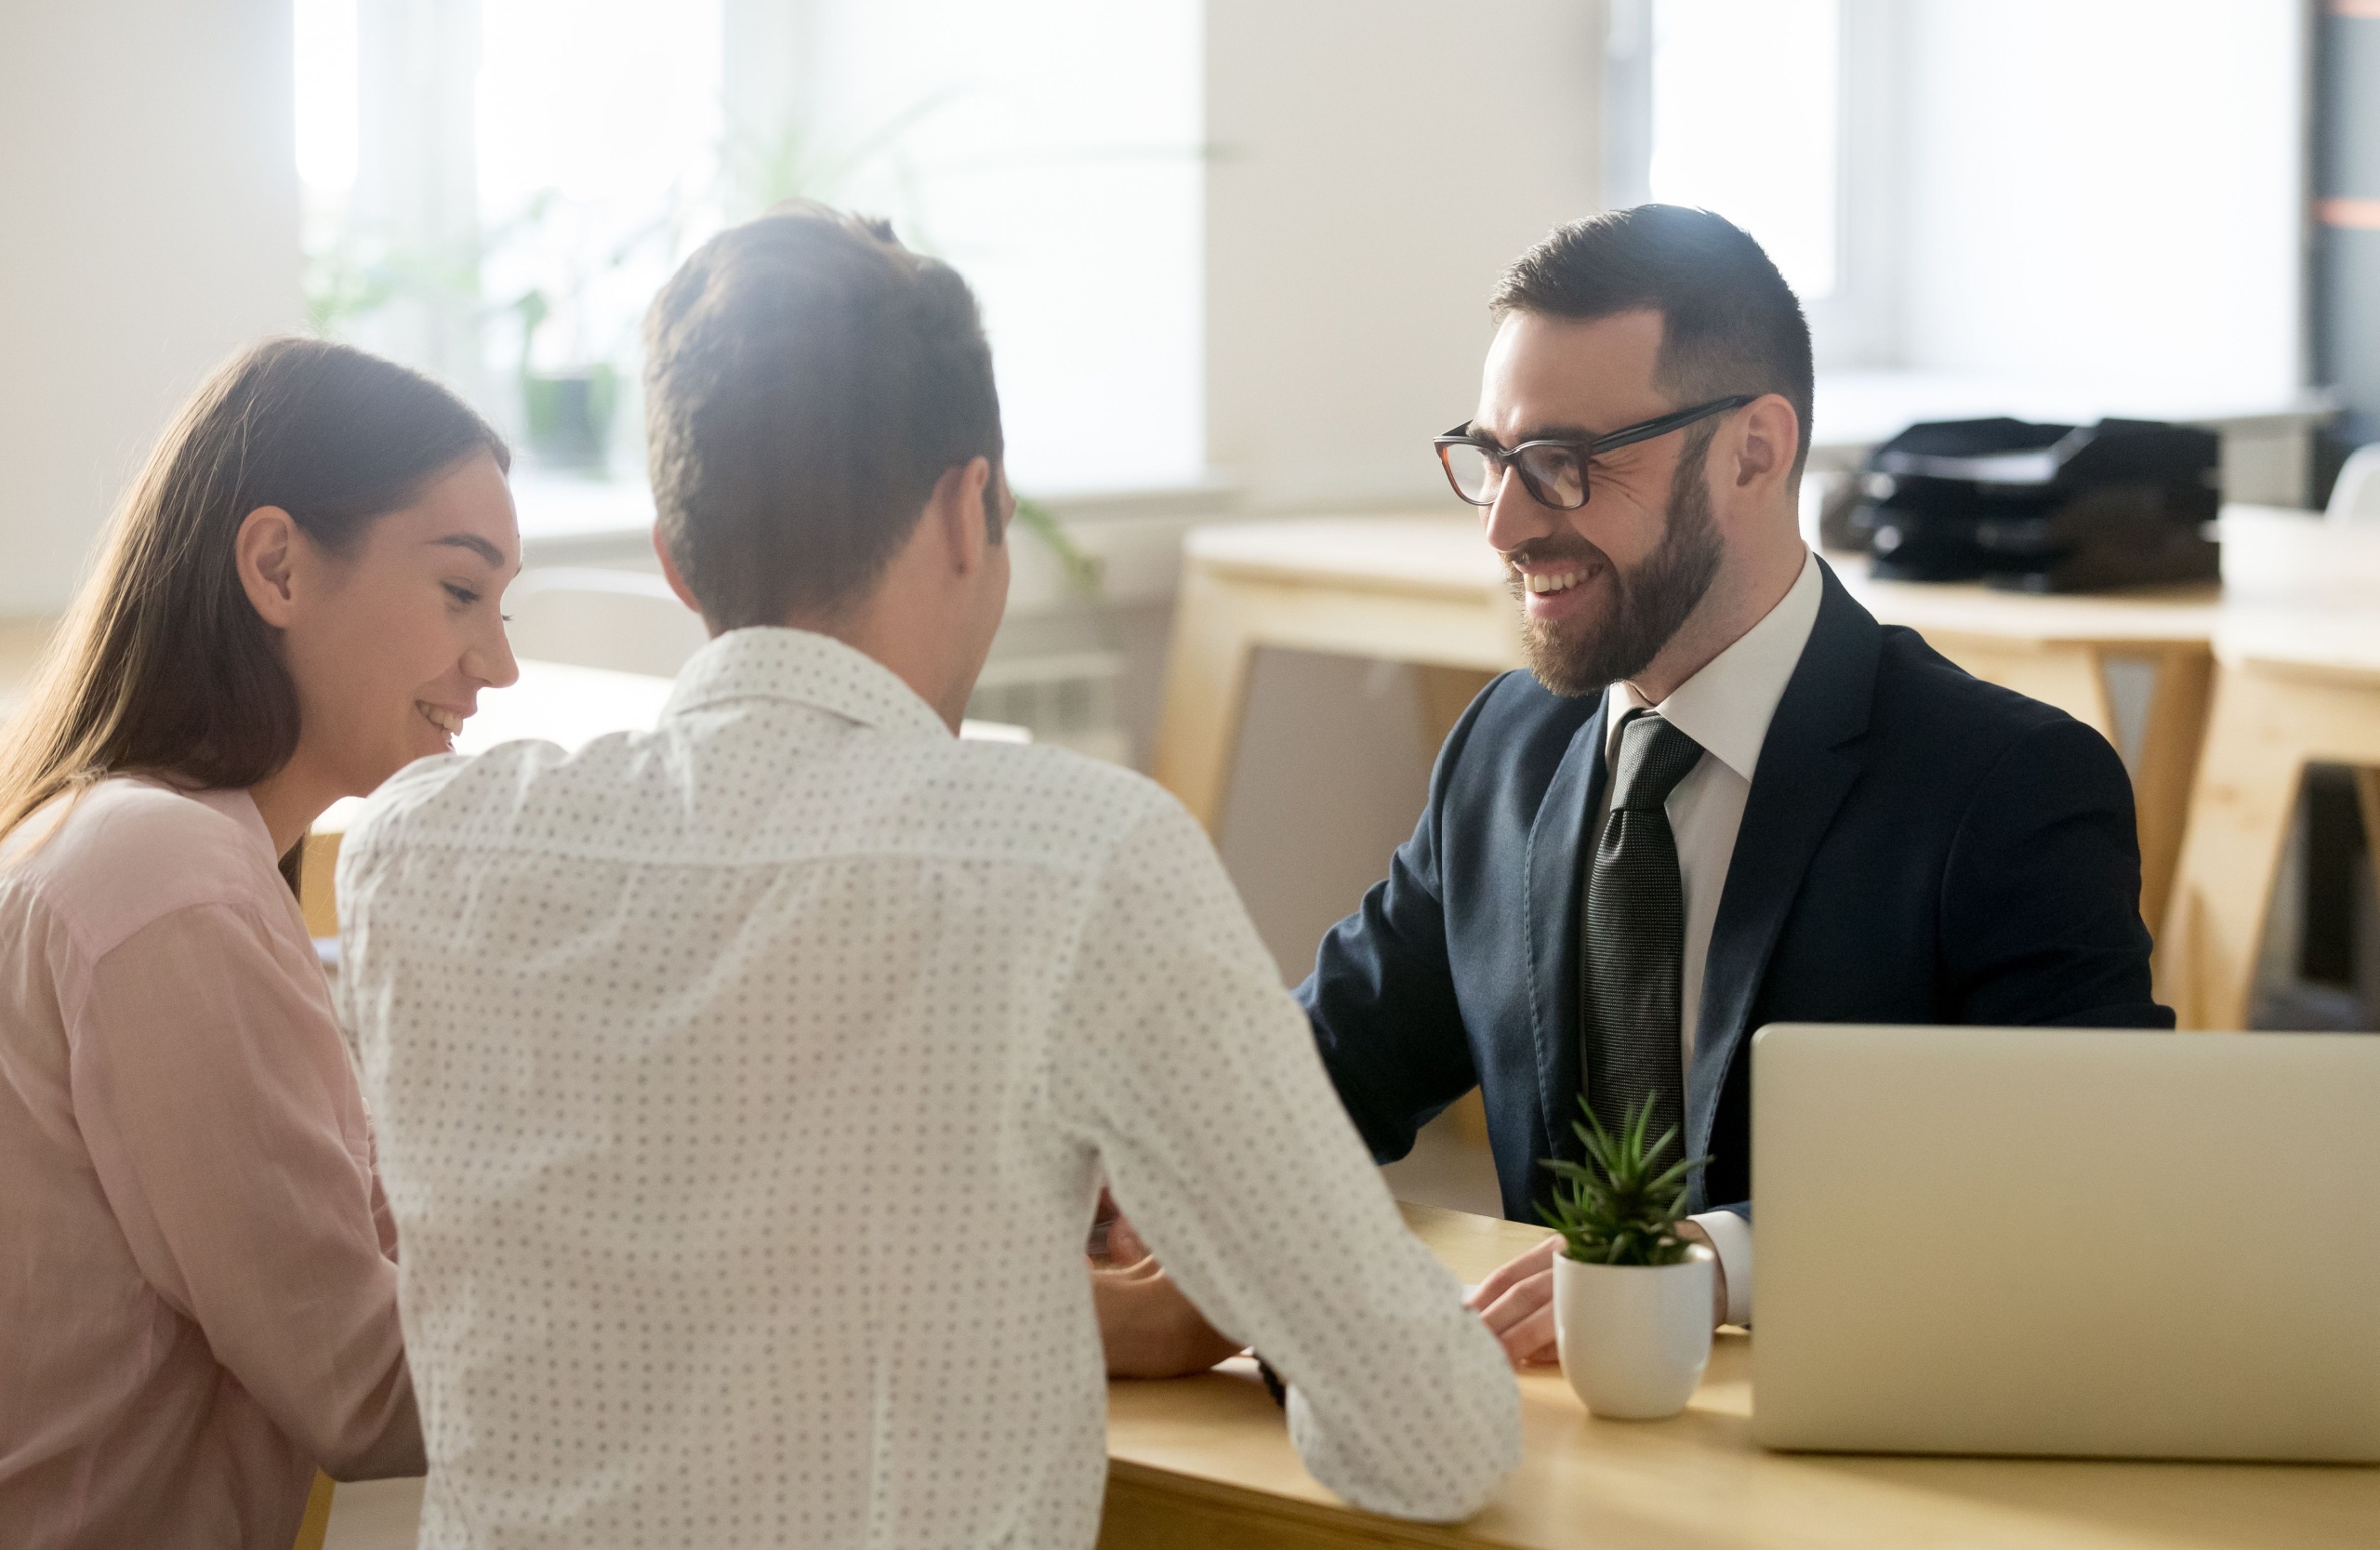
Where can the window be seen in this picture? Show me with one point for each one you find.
(495, 189)
(1729, 75)
(1776, 115)
(596, 150)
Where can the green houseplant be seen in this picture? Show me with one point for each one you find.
(1614, 1209)
(1632, 1295)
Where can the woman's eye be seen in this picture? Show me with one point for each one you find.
(463, 595)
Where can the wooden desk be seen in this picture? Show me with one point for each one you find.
(1428, 591)
(1207, 1461)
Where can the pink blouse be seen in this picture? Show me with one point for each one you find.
(198, 1279)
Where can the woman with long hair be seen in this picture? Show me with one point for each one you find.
(198, 1287)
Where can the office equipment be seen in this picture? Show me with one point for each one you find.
(2055, 1241)
(2043, 507)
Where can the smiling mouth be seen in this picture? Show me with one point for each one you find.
(1560, 581)
(443, 720)
(1543, 583)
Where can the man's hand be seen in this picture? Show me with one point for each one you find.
(1149, 1328)
(1517, 1300)
(1517, 1304)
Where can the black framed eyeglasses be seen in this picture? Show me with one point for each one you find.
(1553, 470)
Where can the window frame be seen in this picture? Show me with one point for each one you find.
(1858, 325)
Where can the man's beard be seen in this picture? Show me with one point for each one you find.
(1583, 653)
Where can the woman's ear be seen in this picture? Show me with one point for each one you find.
(265, 551)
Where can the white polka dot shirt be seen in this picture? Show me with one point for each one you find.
(744, 1089)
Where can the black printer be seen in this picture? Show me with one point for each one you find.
(2041, 507)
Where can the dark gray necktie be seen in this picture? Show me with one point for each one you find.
(1633, 952)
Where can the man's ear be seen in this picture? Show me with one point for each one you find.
(264, 550)
(956, 509)
(1772, 434)
(669, 574)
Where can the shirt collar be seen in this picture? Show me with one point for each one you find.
(1728, 706)
(805, 669)
(237, 804)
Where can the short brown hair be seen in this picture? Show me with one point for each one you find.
(1729, 323)
(807, 381)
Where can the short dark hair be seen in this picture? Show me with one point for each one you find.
(1729, 323)
(807, 381)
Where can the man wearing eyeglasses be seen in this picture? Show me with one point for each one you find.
(1722, 795)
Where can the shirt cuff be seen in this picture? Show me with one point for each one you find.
(1731, 1240)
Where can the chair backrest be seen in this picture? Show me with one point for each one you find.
(629, 621)
(2356, 497)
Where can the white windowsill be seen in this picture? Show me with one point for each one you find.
(1136, 535)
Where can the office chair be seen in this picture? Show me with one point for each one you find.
(2356, 496)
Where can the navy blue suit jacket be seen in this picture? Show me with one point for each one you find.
(1918, 847)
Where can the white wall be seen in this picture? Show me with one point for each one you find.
(1051, 153)
(1377, 163)
(2106, 191)
(151, 201)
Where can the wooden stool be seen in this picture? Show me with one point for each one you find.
(2290, 691)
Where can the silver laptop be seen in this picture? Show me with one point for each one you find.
(2057, 1241)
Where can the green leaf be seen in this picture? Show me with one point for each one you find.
(1082, 571)
(1614, 1208)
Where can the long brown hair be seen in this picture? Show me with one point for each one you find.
(163, 667)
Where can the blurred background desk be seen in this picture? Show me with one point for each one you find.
(2138, 667)
(1207, 1461)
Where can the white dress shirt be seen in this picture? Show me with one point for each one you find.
(1726, 708)
(744, 1090)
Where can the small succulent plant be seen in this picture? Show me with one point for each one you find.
(1615, 1209)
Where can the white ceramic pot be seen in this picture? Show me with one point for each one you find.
(1634, 1338)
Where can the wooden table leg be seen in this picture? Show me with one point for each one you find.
(2164, 766)
(2265, 728)
(1206, 696)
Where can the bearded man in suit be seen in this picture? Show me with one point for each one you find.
(1722, 795)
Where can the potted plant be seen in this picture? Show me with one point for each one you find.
(1632, 1298)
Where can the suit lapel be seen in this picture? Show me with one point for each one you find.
(1554, 899)
(1806, 767)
